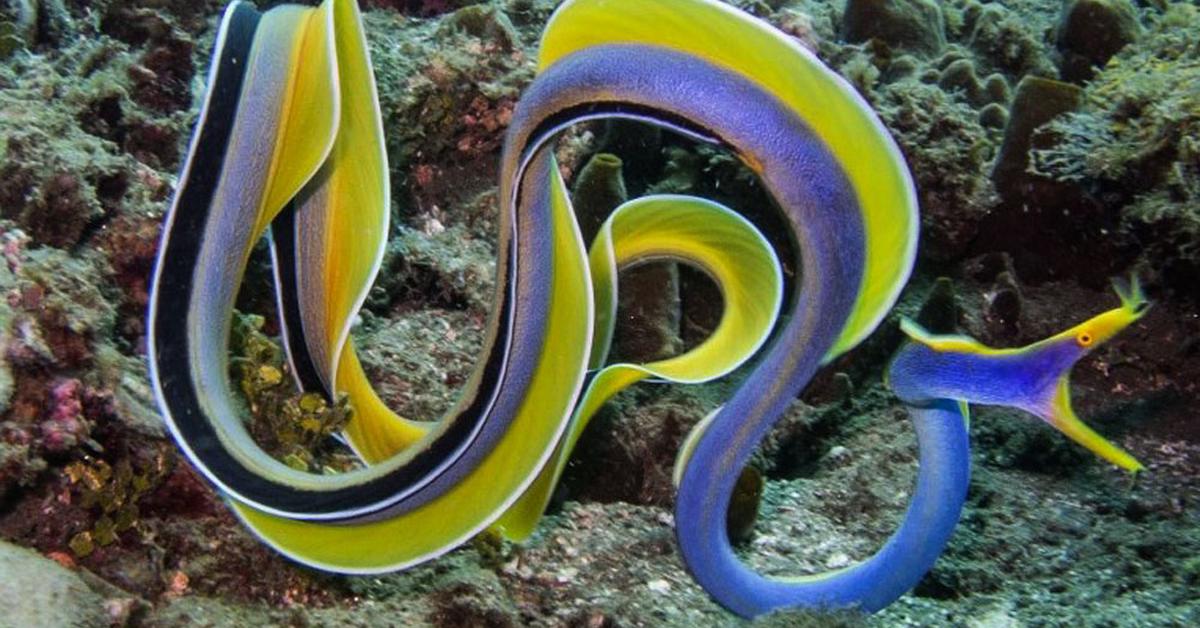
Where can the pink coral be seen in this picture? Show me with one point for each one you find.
(64, 427)
(12, 245)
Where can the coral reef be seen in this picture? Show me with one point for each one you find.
(46, 593)
(1001, 38)
(1037, 102)
(1133, 142)
(947, 148)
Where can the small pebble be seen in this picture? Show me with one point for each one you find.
(659, 586)
(567, 575)
(837, 560)
(839, 454)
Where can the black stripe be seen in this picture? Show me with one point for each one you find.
(617, 109)
(283, 240)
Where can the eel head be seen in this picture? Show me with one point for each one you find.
(1053, 402)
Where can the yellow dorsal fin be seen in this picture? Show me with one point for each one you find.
(734, 40)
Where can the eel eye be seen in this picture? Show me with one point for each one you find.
(1084, 339)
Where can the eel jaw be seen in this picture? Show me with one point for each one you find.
(1056, 410)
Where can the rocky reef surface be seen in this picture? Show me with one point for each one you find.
(1055, 145)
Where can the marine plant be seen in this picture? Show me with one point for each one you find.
(112, 492)
(288, 424)
(290, 140)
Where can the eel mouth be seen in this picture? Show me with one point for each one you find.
(1057, 411)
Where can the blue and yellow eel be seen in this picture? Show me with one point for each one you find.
(289, 143)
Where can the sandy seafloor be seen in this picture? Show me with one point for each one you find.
(1055, 145)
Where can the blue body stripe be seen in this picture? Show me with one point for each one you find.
(1012, 379)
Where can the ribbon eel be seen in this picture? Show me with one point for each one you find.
(289, 137)
(290, 118)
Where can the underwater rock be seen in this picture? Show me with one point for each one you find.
(861, 72)
(38, 591)
(939, 312)
(631, 443)
(647, 326)
(72, 137)
(118, 398)
(597, 190)
(1003, 313)
(1134, 140)
(49, 201)
(947, 150)
(20, 461)
(993, 116)
(131, 244)
(446, 93)
(796, 447)
(443, 269)
(915, 25)
(995, 86)
(472, 597)
(1004, 39)
(485, 22)
(1090, 32)
(161, 78)
(807, 28)
(961, 75)
(1012, 440)
(1037, 102)
(743, 505)
(901, 67)
(419, 360)
(66, 307)
(52, 325)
